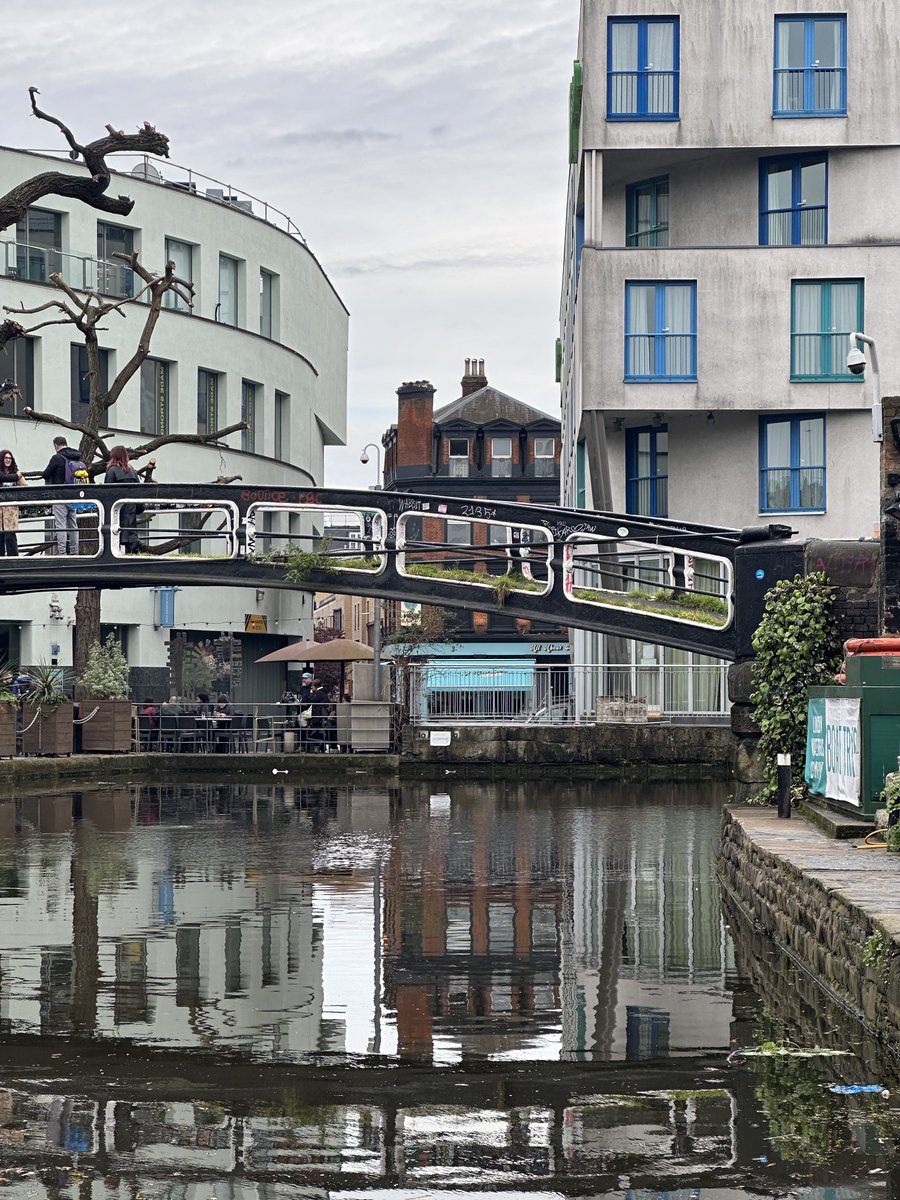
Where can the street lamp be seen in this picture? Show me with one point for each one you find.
(376, 616)
(856, 365)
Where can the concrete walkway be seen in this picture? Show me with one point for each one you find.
(868, 880)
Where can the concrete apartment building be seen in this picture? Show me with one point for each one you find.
(732, 217)
(265, 342)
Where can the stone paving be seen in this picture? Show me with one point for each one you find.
(868, 879)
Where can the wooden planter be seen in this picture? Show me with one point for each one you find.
(7, 731)
(51, 733)
(109, 730)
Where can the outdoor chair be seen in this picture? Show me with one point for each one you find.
(265, 734)
(240, 733)
(168, 731)
(189, 740)
(149, 737)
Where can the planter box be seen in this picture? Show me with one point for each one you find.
(7, 731)
(50, 733)
(109, 729)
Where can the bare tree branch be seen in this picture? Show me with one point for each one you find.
(90, 190)
(202, 439)
(43, 418)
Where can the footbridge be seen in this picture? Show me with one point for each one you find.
(699, 587)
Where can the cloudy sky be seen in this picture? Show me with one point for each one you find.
(420, 148)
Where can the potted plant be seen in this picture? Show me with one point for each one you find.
(9, 703)
(46, 713)
(106, 711)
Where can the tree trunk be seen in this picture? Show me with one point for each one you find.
(87, 628)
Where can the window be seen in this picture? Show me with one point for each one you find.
(810, 66)
(501, 458)
(80, 383)
(248, 414)
(38, 242)
(268, 304)
(207, 401)
(182, 255)
(282, 425)
(792, 463)
(544, 457)
(660, 332)
(824, 312)
(228, 290)
(114, 278)
(647, 213)
(642, 69)
(459, 533)
(793, 201)
(647, 471)
(154, 396)
(459, 458)
(17, 364)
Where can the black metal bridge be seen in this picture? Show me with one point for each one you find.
(698, 587)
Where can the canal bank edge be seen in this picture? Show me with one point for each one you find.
(832, 909)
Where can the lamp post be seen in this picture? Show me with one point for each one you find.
(376, 616)
(856, 365)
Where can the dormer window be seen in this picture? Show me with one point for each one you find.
(459, 458)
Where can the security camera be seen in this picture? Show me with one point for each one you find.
(364, 458)
(856, 362)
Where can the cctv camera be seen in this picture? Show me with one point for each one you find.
(856, 362)
(364, 458)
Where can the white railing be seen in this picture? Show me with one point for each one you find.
(522, 694)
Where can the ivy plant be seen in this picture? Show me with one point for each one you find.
(797, 646)
(891, 796)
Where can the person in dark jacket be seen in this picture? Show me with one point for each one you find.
(318, 725)
(10, 476)
(64, 518)
(120, 470)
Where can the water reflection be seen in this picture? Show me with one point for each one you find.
(301, 921)
(186, 973)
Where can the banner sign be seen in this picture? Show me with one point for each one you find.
(832, 749)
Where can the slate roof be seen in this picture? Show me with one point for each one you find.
(488, 404)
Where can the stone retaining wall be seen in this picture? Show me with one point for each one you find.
(812, 920)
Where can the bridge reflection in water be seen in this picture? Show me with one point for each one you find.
(657, 580)
(261, 989)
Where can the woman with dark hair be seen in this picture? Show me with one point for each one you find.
(10, 476)
(120, 470)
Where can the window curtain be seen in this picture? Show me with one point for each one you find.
(812, 462)
(677, 323)
(777, 482)
(641, 328)
(844, 316)
(661, 58)
(808, 337)
(623, 56)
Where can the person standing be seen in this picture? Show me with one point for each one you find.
(64, 518)
(10, 476)
(319, 723)
(120, 470)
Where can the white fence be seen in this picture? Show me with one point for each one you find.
(500, 694)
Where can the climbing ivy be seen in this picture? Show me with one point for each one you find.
(797, 646)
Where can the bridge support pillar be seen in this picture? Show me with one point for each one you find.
(748, 763)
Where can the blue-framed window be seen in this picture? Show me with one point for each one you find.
(660, 332)
(793, 200)
(810, 66)
(647, 212)
(792, 463)
(647, 471)
(642, 78)
(824, 312)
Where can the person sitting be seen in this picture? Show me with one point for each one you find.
(203, 707)
(223, 707)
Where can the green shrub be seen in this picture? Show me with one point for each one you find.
(797, 646)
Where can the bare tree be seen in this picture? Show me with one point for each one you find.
(87, 309)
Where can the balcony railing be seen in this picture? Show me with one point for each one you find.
(84, 272)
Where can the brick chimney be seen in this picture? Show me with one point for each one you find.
(474, 378)
(415, 421)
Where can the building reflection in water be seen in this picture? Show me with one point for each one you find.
(484, 923)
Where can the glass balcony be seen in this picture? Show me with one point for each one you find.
(84, 272)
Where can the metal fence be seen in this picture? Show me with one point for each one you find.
(502, 694)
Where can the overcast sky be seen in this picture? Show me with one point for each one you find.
(420, 148)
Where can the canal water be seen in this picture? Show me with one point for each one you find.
(220, 990)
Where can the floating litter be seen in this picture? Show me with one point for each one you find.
(275, 771)
(858, 1089)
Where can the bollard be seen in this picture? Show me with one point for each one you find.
(784, 785)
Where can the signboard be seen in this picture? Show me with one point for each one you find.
(439, 737)
(256, 623)
(832, 748)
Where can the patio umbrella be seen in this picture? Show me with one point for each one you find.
(342, 650)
